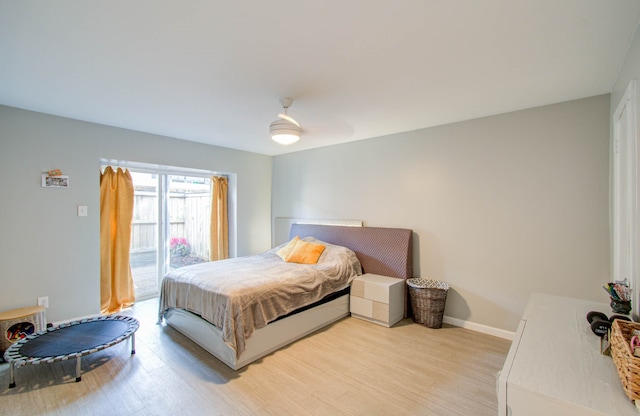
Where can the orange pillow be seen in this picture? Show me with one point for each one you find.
(305, 253)
(284, 252)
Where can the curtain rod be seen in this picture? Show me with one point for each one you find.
(155, 168)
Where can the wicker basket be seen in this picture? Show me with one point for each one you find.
(428, 299)
(32, 319)
(627, 364)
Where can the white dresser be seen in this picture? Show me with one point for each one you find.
(378, 299)
(554, 366)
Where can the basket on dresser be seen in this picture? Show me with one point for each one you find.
(627, 364)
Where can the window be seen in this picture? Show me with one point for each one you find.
(171, 222)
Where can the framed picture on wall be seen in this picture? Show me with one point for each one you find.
(61, 181)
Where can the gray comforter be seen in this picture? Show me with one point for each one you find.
(243, 294)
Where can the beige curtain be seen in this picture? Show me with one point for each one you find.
(116, 214)
(219, 219)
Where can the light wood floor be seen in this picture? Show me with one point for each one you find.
(350, 368)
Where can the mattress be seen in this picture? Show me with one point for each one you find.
(243, 294)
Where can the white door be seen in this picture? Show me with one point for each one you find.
(170, 226)
(625, 193)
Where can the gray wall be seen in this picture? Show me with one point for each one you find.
(46, 249)
(501, 206)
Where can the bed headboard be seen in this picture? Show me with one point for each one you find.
(384, 251)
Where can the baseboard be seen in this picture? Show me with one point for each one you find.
(489, 330)
(95, 315)
(66, 321)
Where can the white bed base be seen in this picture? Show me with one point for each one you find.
(264, 340)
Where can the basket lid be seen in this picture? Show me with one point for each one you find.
(420, 283)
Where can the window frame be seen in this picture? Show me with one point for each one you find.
(163, 172)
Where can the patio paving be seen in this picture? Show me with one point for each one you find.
(145, 276)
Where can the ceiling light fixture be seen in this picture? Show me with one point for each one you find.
(285, 130)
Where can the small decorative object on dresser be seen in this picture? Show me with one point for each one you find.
(378, 299)
(16, 324)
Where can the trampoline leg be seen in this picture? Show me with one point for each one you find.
(133, 343)
(78, 370)
(12, 375)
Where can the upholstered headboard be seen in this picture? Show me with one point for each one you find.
(383, 251)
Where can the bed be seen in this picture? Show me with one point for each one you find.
(385, 251)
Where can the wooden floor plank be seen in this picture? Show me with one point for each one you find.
(352, 367)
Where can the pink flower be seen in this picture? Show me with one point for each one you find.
(179, 246)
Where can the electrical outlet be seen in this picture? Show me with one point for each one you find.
(82, 210)
(43, 301)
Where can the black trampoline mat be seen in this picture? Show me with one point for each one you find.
(74, 339)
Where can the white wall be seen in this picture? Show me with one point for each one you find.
(501, 206)
(45, 249)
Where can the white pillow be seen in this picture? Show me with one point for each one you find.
(284, 252)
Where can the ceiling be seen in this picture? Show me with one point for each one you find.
(214, 71)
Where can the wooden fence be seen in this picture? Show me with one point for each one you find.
(189, 217)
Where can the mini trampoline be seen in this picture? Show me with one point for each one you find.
(71, 340)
